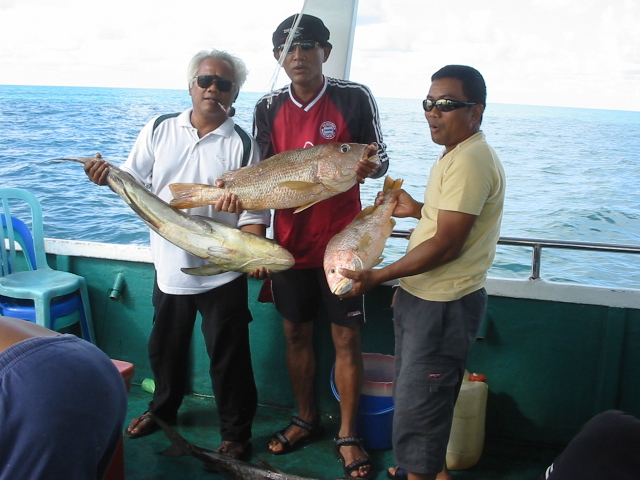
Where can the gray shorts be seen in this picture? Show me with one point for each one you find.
(299, 293)
(432, 342)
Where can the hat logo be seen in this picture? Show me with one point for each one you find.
(298, 30)
(328, 130)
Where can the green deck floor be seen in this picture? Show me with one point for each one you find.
(198, 424)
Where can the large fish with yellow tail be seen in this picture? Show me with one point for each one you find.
(360, 244)
(295, 178)
(226, 247)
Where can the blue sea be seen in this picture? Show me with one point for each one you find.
(572, 174)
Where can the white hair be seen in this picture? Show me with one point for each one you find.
(239, 68)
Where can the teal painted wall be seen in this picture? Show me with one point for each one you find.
(550, 366)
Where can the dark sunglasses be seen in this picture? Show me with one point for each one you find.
(304, 45)
(444, 104)
(223, 84)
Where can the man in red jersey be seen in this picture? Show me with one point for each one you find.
(313, 110)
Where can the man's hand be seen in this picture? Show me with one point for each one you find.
(97, 170)
(365, 167)
(363, 281)
(261, 273)
(229, 203)
(405, 207)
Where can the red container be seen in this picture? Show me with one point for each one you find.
(116, 468)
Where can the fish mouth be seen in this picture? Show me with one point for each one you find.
(342, 287)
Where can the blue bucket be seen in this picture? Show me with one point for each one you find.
(374, 420)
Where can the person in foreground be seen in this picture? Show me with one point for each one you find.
(441, 299)
(313, 110)
(198, 146)
(62, 405)
(607, 446)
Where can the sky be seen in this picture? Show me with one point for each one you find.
(570, 53)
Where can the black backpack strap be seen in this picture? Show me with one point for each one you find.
(161, 119)
(246, 145)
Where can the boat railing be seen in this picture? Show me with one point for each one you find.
(538, 244)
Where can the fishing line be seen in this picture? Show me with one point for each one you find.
(283, 55)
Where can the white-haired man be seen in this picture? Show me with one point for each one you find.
(198, 146)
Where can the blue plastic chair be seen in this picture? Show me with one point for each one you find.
(29, 288)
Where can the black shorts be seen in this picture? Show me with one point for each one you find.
(299, 293)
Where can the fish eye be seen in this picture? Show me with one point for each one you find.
(344, 148)
(333, 270)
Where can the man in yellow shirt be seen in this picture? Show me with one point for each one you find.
(441, 300)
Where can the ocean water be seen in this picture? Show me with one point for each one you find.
(572, 174)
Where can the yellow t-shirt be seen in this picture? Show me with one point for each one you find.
(469, 179)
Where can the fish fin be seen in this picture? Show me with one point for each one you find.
(341, 184)
(174, 451)
(205, 270)
(179, 446)
(365, 242)
(213, 224)
(297, 185)
(305, 206)
(187, 195)
(366, 211)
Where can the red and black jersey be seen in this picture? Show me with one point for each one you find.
(344, 112)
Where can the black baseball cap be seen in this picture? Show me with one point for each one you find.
(309, 28)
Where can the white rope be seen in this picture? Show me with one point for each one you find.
(287, 44)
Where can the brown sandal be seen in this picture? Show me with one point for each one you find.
(237, 450)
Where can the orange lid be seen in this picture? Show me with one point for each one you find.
(477, 377)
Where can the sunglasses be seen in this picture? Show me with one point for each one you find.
(444, 104)
(305, 45)
(223, 84)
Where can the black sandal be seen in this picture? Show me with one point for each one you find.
(361, 462)
(401, 474)
(315, 429)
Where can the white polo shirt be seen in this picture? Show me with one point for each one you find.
(175, 154)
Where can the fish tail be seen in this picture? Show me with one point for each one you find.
(188, 195)
(179, 446)
(391, 184)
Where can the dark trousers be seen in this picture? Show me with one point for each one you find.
(225, 326)
(433, 340)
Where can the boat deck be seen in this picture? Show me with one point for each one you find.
(197, 422)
